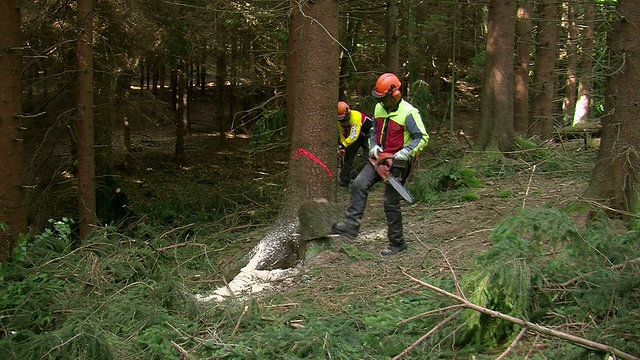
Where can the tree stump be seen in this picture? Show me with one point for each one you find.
(316, 218)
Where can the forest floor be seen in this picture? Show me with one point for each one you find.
(443, 239)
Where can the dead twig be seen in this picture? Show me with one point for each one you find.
(529, 325)
(235, 329)
(513, 344)
(181, 350)
(431, 332)
(428, 313)
(526, 194)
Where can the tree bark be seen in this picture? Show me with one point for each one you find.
(614, 180)
(313, 143)
(523, 51)
(496, 123)
(13, 208)
(295, 21)
(544, 80)
(392, 49)
(85, 126)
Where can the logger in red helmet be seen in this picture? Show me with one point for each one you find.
(397, 129)
(353, 128)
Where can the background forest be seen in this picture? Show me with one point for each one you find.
(149, 146)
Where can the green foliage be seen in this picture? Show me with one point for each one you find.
(269, 128)
(634, 222)
(469, 196)
(422, 99)
(509, 276)
(355, 253)
(428, 186)
(113, 298)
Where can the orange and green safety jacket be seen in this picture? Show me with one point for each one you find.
(398, 129)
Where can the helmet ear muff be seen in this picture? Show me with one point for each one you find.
(395, 93)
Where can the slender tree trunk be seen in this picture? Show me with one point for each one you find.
(583, 102)
(523, 51)
(349, 42)
(221, 74)
(544, 80)
(142, 64)
(392, 52)
(85, 129)
(496, 123)
(180, 116)
(569, 104)
(615, 178)
(13, 208)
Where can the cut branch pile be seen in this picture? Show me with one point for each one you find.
(526, 325)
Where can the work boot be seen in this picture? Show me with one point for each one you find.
(393, 249)
(344, 229)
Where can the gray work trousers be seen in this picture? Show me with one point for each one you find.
(360, 191)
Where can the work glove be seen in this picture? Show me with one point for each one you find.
(341, 150)
(402, 155)
(375, 152)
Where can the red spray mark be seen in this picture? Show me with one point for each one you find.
(304, 152)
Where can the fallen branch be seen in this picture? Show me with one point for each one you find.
(529, 325)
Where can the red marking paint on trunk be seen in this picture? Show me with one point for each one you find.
(304, 152)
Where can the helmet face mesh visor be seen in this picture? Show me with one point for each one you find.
(343, 110)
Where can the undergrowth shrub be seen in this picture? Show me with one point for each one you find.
(269, 128)
(542, 263)
(112, 298)
(440, 183)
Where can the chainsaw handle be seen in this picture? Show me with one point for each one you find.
(385, 158)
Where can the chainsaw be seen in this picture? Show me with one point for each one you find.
(383, 166)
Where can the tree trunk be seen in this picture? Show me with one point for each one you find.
(221, 74)
(392, 49)
(496, 122)
(614, 181)
(583, 102)
(545, 65)
(313, 142)
(523, 51)
(180, 115)
(13, 209)
(569, 104)
(349, 42)
(84, 128)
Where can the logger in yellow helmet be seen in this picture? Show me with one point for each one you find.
(353, 129)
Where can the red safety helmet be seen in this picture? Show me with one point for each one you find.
(387, 84)
(343, 110)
